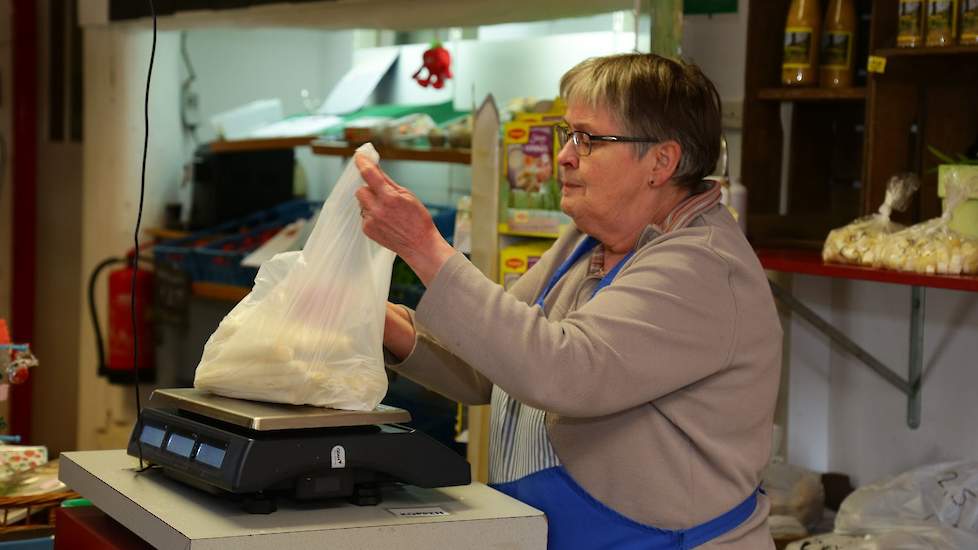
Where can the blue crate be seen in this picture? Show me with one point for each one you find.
(182, 253)
(444, 218)
(213, 264)
(42, 543)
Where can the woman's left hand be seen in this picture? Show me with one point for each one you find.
(396, 219)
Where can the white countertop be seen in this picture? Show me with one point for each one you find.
(169, 514)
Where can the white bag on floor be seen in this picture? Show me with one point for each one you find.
(934, 506)
(311, 330)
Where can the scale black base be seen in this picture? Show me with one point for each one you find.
(256, 452)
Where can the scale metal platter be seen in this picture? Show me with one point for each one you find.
(260, 416)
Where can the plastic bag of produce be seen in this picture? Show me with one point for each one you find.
(936, 502)
(794, 491)
(932, 247)
(859, 242)
(311, 330)
(915, 538)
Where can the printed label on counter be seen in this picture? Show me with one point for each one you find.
(797, 48)
(418, 512)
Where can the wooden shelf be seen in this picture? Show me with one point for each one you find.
(505, 230)
(809, 262)
(162, 234)
(216, 291)
(430, 154)
(812, 94)
(919, 52)
(263, 144)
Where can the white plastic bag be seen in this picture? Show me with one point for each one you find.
(794, 491)
(860, 242)
(311, 330)
(936, 503)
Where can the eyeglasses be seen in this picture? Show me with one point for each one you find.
(582, 140)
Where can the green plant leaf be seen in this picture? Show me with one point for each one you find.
(943, 157)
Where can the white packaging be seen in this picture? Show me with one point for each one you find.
(311, 330)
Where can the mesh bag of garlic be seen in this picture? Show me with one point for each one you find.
(860, 242)
(932, 247)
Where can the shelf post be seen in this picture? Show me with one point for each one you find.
(836, 336)
(917, 303)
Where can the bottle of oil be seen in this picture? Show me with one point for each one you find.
(838, 38)
(942, 18)
(911, 29)
(800, 62)
(969, 23)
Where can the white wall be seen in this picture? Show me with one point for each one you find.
(718, 44)
(868, 433)
(237, 66)
(116, 61)
(58, 276)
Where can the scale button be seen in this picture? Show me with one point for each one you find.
(337, 457)
(210, 455)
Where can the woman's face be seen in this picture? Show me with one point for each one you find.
(610, 184)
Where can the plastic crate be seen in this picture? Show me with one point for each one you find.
(220, 261)
(182, 253)
(444, 218)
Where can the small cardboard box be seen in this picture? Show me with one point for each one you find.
(517, 259)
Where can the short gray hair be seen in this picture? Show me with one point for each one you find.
(655, 97)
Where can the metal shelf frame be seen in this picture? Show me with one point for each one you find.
(910, 386)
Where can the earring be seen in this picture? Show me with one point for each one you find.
(651, 183)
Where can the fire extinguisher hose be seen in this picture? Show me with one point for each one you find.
(93, 311)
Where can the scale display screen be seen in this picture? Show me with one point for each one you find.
(180, 445)
(210, 455)
(152, 435)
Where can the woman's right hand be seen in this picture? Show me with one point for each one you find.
(399, 333)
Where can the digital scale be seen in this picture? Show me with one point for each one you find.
(257, 451)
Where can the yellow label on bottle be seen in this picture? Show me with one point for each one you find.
(969, 21)
(797, 48)
(909, 21)
(837, 49)
(940, 15)
(876, 64)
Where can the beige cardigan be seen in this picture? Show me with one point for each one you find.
(659, 391)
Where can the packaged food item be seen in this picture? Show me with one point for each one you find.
(364, 129)
(860, 242)
(838, 37)
(794, 491)
(801, 31)
(942, 19)
(910, 32)
(517, 259)
(529, 168)
(408, 128)
(932, 247)
(969, 23)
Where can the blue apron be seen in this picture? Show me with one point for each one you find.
(578, 521)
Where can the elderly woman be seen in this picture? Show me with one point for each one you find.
(633, 370)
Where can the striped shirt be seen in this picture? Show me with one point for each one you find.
(518, 441)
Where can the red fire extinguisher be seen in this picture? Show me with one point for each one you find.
(119, 366)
